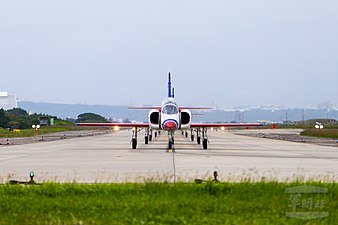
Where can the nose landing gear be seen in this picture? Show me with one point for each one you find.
(171, 141)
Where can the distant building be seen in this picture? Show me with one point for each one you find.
(7, 101)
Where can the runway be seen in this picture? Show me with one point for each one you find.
(109, 158)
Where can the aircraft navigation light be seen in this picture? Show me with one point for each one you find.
(222, 128)
(116, 128)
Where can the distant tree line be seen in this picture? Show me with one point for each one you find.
(91, 118)
(20, 119)
(17, 118)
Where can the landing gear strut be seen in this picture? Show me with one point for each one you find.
(150, 135)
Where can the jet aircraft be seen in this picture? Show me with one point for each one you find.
(170, 117)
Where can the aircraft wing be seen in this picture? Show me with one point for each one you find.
(159, 107)
(113, 124)
(145, 107)
(205, 125)
(193, 107)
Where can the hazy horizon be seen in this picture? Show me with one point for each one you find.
(228, 53)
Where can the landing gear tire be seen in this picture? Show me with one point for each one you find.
(150, 137)
(192, 137)
(146, 140)
(133, 143)
(155, 134)
(198, 140)
(186, 134)
(170, 145)
(205, 143)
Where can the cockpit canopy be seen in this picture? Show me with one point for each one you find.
(169, 106)
(170, 109)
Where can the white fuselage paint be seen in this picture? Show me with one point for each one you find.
(170, 115)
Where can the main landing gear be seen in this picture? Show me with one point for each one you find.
(134, 138)
(148, 136)
(205, 138)
(201, 135)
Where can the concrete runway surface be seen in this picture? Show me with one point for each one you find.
(109, 158)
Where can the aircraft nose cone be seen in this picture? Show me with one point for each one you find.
(170, 125)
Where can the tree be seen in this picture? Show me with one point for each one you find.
(3, 118)
(17, 112)
(91, 118)
(19, 118)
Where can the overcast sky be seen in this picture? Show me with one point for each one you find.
(233, 53)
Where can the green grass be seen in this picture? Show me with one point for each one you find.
(325, 133)
(159, 203)
(4, 133)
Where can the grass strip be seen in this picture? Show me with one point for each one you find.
(323, 133)
(4, 133)
(163, 203)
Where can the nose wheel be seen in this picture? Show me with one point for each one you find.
(171, 141)
(170, 146)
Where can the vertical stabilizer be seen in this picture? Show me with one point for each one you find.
(169, 85)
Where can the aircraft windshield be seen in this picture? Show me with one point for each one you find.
(170, 109)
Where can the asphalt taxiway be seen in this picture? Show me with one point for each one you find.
(109, 158)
